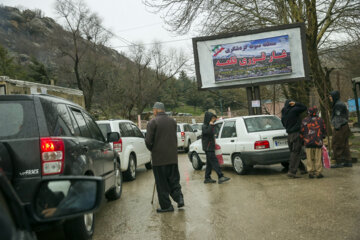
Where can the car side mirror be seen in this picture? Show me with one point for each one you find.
(67, 197)
(113, 137)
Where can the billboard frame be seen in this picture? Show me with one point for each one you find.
(305, 59)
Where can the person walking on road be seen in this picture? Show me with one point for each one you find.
(161, 140)
(341, 134)
(313, 131)
(290, 118)
(208, 144)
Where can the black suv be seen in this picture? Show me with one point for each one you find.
(44, 136)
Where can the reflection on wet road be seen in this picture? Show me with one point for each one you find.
(264, 204)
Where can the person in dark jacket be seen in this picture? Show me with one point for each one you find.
(290, 118)
(208, 144)
(313, 131)
(161, 140)
(341, 134)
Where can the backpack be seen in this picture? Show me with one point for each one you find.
(313, 131)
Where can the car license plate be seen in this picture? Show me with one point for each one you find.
(281, 142)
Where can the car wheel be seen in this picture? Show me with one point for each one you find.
(239, 165)
(148, 165)
(115, 192)
(80, 228)
(188, 146)
(285, 164)
(130, 173)
(196, 162)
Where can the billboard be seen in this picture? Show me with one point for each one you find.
(263, 56)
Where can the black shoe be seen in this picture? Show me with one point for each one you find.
(292, 175)
(347, 164)
(181, 202)
(170, 209)
(337, 166)
(303, 172)
(320, 176)
(209, 180)
(311, 176)
(223, 179)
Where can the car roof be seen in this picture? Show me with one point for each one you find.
(47, 97)
(245, 117)
(114, 120)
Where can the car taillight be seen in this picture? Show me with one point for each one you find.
(183, 136)
(261, 145)
(52, 155)
(118, 145)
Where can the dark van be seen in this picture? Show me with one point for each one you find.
(44, 136)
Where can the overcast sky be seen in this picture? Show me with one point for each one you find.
(127, 19)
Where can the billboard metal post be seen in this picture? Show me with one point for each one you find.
(356, 81)
(249, 94)
(257, 97)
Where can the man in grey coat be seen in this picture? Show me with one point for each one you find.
(161, 140)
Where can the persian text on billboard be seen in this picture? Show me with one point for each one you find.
(252, 59)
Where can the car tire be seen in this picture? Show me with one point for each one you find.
(188, 147)
(130, 173)
(196, 162)
(239, 165)
(285, 164)
(115, 192)
(148, 165)
(80, 228)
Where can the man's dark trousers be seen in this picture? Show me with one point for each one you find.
(340, 144)
(167, 179)
(295, 147)
(212, 163)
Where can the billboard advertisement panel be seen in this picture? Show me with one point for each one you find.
(263, 56)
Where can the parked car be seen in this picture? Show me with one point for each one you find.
(185, 136)
(245, 142)
(44, 136)
(198, 127)
(16, 218)
(130, 147)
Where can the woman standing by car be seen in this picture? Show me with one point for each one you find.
(208, 143)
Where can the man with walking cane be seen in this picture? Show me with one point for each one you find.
(161, 140)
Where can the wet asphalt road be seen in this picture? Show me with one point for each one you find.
(264, 204)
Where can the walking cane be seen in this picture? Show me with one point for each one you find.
(152, 200)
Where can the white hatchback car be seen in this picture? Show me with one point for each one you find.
(131, 146)
(185, 136)
(245, 142)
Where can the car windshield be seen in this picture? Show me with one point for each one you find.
(105, 129)
(196, 126)
(260, 124)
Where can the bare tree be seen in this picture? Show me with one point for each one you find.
(323, 18)
(88, 37)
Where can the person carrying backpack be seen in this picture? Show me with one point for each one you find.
(313, 131)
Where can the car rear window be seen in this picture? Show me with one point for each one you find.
(260, 124)
(105, 129)
(178, 128)
(18, 120)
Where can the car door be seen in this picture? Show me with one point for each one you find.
(193, 135)
(143, 152)
(227, 140)
(106, 152)
(90, 147)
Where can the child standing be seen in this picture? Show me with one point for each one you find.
(313, 131)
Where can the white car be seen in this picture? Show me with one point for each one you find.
(198, 127)
(185, 136)
(131, 146)
(245, 142)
